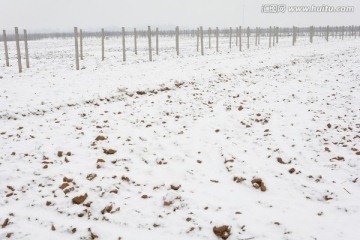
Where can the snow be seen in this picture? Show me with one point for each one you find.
(191, 121)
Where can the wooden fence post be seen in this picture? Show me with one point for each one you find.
(81, 45)
(135, 41)
(123, 44)
(274, 34)
(76, 48)
(343, 33)
(277, 35)
(293, 36)
(150, 48)
(6, 49)
(336, 31)
(256, 35)
(202, 40)
(177, 40)
(197, 39)
(240, 42)
(18, 49)
(320, 32)
(248, 37)
(102, 44)
(209, 33)
(236, 36)
(217, 39)
(157, 40)
(259, 35)
(327, 33)
(270, 37)
(26, 49)
(230, 34)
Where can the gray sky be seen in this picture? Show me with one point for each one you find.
(37, 15)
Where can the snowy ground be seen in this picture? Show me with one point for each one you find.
(204, 125)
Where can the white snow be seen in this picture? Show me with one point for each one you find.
(300, 104)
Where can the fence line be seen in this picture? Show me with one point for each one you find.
(273, 33)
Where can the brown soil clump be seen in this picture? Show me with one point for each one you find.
(222, 232)
(79, 199)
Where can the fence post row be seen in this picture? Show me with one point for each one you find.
(273, 34)
(123, 44)
(76, 48)
(150, 48)
(26, 49)
(6, 49)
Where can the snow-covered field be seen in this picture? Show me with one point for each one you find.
(169, 149)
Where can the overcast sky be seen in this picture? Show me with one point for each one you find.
(39, 15)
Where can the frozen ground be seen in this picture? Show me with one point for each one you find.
(205, 125)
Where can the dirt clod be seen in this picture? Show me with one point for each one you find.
(100, 138)
(291, 170)
(91, 176)
(109, 151)
(258, 183)
(63, 186)
(222, 232)
(5, 223)
(279, 159)
(79, 199)
(175, 187)
(239, 179)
